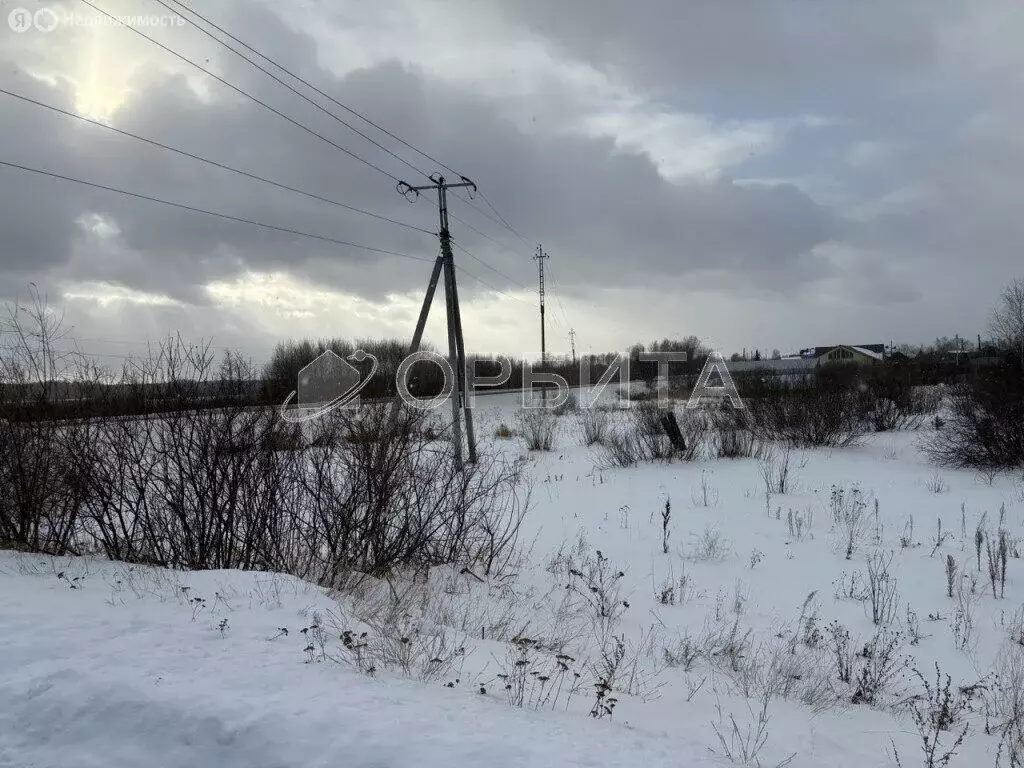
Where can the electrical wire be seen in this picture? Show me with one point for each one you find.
(237, 219)
(313, 88)
(500, 220)
(242, 92)
(493, 269)
(213, 163)
(291, 88)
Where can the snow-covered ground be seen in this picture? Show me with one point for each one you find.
(111, 665)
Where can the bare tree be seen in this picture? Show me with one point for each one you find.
(1007, 322)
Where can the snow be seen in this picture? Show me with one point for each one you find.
(87, 683)
(869, 353)
(112, 665)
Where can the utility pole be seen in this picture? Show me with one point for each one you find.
(456, 347)
(572, 342)
(539, 258)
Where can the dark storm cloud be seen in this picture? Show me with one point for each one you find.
(903, 85)
(609, 215)
(775, 54)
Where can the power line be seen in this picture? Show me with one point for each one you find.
(313, 88)
(558, 297)
(508, 226)
(477, 258)
(242, 92)
(270, 74)
(214, 163)
(501, 221)
(252, 222)
(486, 264)
(228, 217)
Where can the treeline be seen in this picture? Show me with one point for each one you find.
(426, 379)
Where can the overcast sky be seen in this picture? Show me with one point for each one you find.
(760, 173)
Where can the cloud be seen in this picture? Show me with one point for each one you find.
(802, 156)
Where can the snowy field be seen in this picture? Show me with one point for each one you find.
(734, 625)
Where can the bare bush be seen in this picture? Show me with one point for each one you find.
(824, 413)
(881, 588)
(202, 479)
(985, 424)
(705, 495)
(742, 746)
(1004, 704)
(732, 435)
(538, 427)
(776, 468)
(644, 437)
(849, 517)
(710, 545)
(571, 404)
(400, 644)
(597, 584)
(532, 678)
(869, 670)
(934, 711)
(40, 488)
(593, 423)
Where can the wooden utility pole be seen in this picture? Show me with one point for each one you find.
(456, 346)
(539, 258)
(572, 342)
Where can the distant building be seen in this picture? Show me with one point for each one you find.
(813, 357)
(863, 354)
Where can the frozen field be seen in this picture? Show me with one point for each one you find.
(751, 614)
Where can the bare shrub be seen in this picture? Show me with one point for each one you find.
(963, 618)
(593, 423)
(849, 517)
(710, 545)
(532, 678)
(597, 584)
(935, 484)
(620, 449)
(644, 437)
(704, 495)
(731, 435)
(985, 424)
(400, 644)
(881, 588)
(571, 404)
(776, 468)
(823, 413)
(1015, 627)
(799, 523)
(997, 553)
(934, 711)
(869, 670)
(41, 489)
(742, 746)
(537, 426)
(890, 403)
(1004, 704)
